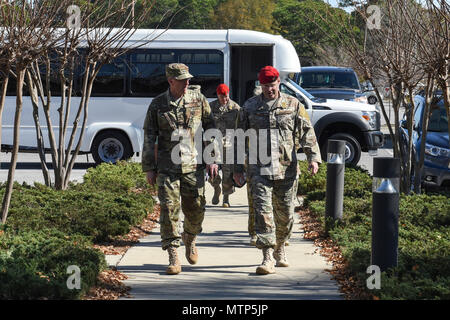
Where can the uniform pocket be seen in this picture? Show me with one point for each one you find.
(285, 120)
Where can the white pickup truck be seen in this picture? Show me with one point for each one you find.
(358, 124)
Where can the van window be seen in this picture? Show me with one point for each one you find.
(328, 79)
(148, 76)
(110, 80)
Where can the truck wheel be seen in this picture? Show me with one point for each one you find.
(352, 148)
(111, 146)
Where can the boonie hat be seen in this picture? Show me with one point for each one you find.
(179, 71)
(268, 74)
(223, 89)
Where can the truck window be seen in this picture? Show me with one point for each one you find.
(438, 119)
(328, 79)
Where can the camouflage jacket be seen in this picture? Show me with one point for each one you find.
(166, 117)
(287, 126)
(225, 116)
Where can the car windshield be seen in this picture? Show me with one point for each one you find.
(438, 119)
(328, 79)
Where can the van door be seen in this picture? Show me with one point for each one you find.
(246, 61)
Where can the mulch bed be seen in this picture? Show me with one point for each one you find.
(349, 286)
(109, 285)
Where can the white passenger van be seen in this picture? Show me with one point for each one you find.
(124, 88)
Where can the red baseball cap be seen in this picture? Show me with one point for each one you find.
(223, 89)
(268, 74)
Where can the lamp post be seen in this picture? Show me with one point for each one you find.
(385, 212)
(335, 181)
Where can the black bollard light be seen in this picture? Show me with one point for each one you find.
(385, 211)
(335, 181)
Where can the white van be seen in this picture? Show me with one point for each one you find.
(124, 88)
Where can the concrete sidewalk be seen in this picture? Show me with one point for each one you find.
(227, 264)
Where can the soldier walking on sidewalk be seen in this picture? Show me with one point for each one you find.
(225, 112)
(177, 110)
(273, 185)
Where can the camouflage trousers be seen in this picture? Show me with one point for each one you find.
(251, 209)
(226, 180)
(273, 205)
(191, 188)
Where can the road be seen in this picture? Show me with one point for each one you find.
(29, 167)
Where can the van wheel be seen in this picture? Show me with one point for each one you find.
(352, 148)
(372, 100)
(111, 146)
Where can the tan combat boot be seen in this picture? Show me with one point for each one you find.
(215, 199)
(191, 250)
(280, 255)
(226, 202)
(268, 265)
(174, 263)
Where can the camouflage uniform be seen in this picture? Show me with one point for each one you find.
(192, 113)
(251, 210)
(225, 118)
(273, 194)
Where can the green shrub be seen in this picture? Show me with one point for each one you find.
(33, 265)
(357, 182)
(48, 230)
(97, 213)
(117, 178)
(423, 270)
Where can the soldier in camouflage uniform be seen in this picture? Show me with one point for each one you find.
(273, 185)
(178, 110)
(225, 112)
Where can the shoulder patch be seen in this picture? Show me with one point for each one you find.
(302, 112)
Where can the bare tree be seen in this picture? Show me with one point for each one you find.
(387, 49)
(88, 49)
(431, 24)
(35, 39)
(25, 32)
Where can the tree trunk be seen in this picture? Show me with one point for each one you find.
(15, 151)
(40, 139)
(91, 74)
(409, 155)
(2, 99)
(426, 116)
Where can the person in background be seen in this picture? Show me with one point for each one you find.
(225, 112)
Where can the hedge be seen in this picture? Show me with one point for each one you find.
(423, 270)
(48, 230)
(34, 264)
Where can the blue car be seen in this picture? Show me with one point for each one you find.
(436, 170)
